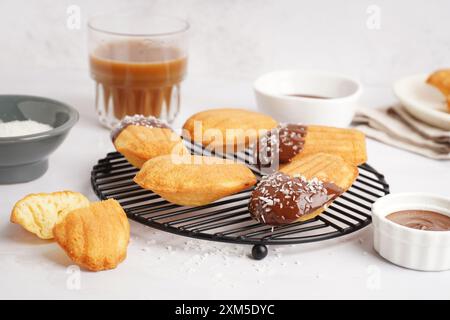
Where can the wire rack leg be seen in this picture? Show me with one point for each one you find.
(259, 251)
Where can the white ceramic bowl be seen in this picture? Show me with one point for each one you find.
(408, 247)
(274, 92)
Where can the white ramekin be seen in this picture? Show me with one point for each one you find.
(408, 247)
(273, 90)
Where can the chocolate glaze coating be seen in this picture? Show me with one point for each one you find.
(137, 120)
(281, 143)
(421, 220)
(281, 199)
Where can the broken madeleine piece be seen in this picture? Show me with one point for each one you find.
(95, 237)
(227, 129)
(302, 190)
(194, 180)
(139, 138)
(38, 213)
(441, 80)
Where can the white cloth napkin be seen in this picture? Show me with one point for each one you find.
(396, 127)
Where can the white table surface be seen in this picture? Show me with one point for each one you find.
(161, 265)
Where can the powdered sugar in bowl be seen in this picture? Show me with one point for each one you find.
(31, 128)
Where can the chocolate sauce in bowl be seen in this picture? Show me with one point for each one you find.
(281, 199)
(309, 96)
(421, 220)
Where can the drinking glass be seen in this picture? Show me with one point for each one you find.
(138, 62)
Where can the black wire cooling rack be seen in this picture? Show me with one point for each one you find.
(228, 220)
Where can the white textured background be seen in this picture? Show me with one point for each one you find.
(232, 43)
(243, 38)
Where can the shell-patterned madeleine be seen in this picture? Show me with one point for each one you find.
(290, 142)
(95, 237)
(326, 167)
(194, 180)
(302, 189)
(227, 129)
(140, 138)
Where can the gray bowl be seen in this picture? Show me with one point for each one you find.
(25, 158)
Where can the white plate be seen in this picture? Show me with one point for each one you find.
(423, 101)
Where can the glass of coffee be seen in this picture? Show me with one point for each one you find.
(138, 62)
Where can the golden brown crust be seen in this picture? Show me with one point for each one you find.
(441, 80)
(38, 213)
(233, 128)
(325, 167)
(139, 144)
(95, 237)
(194, 180)
(350, 144)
